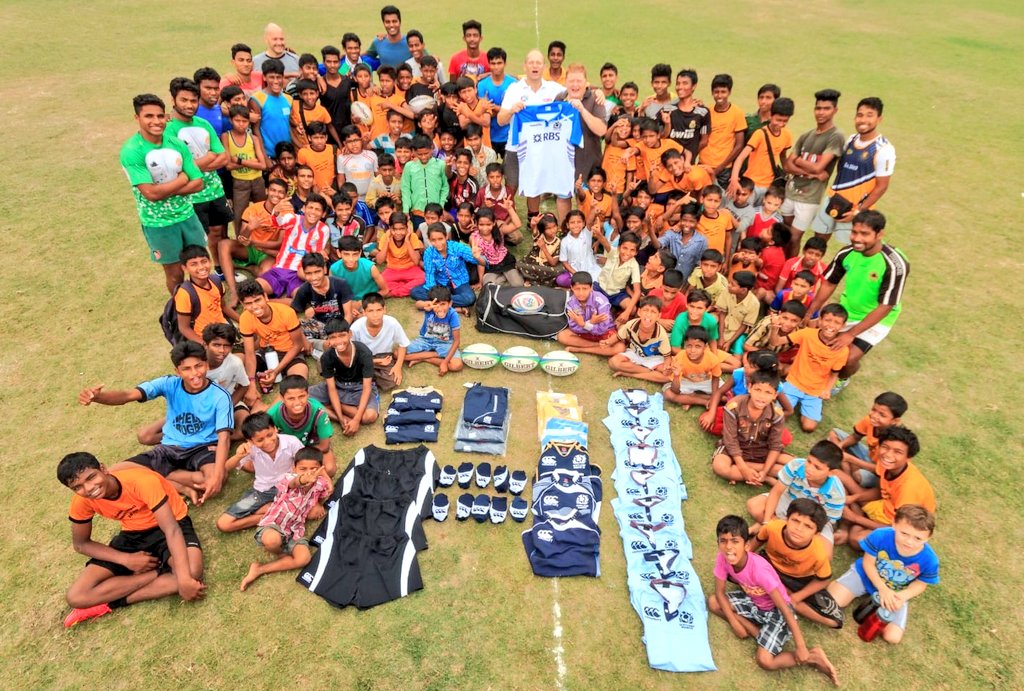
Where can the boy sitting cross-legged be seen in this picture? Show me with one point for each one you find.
(304, 418)
(438, 342)
(763, 609)
(157, 552)
(795, 549)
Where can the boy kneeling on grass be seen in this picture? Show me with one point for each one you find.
(282, 530)
(157, 552)
(763, 610)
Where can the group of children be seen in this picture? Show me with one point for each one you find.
(685, 262)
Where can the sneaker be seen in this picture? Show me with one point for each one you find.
(840, 385)
(80, 614)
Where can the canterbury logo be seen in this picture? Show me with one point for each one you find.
(652, 613)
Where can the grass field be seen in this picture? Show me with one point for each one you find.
(76, 264)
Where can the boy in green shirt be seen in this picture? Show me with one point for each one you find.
(163, 175)
(306, 419)
(207, 153)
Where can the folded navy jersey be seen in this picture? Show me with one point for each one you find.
(566, 546)
(407, 417)
(563, 490)
(415, 432)
(426, 398)
(558, 455)
(486, 406)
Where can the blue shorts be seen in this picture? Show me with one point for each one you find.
(426, 345)
(810, 406)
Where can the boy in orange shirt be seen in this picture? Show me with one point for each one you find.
(320, 159)
(725, 136)
(765, 153)
(400, 254)
(209, 293)
(650, 149)
(900, 483)
(156, 554)
(816, 366)
(696, 371)
(860, 447)
(271, 335)
(258, 240)
(716, 225)
(306, 110)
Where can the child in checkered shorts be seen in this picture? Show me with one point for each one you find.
(762, 610)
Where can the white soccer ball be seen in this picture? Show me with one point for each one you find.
(560, 363)
(361, 113)
(421, 103)
(480, 356)
(520, 359)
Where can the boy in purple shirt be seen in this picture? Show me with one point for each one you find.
(590, 319)
(762, 610)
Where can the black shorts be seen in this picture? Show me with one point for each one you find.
(863, 345)
(355, 569)
(152, 541)
(165, 459)
(213, 213)
(821, 602)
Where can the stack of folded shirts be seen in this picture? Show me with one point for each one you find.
(483, 424)
(413, 416)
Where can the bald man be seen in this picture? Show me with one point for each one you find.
(273, 36)
(531, 90)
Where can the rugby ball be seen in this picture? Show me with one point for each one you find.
(520, 359)
(527, 302)
(361, 113)
(480, 356)
(560, 363)
(421, 103)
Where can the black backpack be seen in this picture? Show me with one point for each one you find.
(493, 314)
(169, 317)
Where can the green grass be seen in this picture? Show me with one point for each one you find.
(80, 304)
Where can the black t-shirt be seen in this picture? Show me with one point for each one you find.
(448, 121)
(327, 306)
(687, 127)
(337, 100)
(415, 90)
(362, 365)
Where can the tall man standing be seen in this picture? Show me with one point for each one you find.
(531, 90)
(390, 47)
(163, 176)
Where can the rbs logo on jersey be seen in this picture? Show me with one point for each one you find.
(546, 137)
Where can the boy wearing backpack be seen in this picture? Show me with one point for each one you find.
(197, 302)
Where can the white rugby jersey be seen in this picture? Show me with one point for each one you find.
(545, 137)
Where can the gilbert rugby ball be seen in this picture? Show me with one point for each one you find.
(560, 363)
(421, 103)
(520, 359)
(527, 302)
(362, 113)
(480, 356)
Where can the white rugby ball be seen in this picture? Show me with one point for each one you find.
(560, 363)
(520, 359)
(361, 113)
(480, 356)
(527, 302)
(421, 103)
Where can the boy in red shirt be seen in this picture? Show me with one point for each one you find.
(810, 260)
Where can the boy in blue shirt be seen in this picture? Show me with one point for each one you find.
(273, 106)
(199, 416)
(438, 342)
(898, 565)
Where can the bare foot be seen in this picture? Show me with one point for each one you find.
(686, 406)
(464, 311)
(190, 494)
(820, 662)
(410, 363)
(254, 573)
(572, 349)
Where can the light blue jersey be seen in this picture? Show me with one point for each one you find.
(193, 419)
